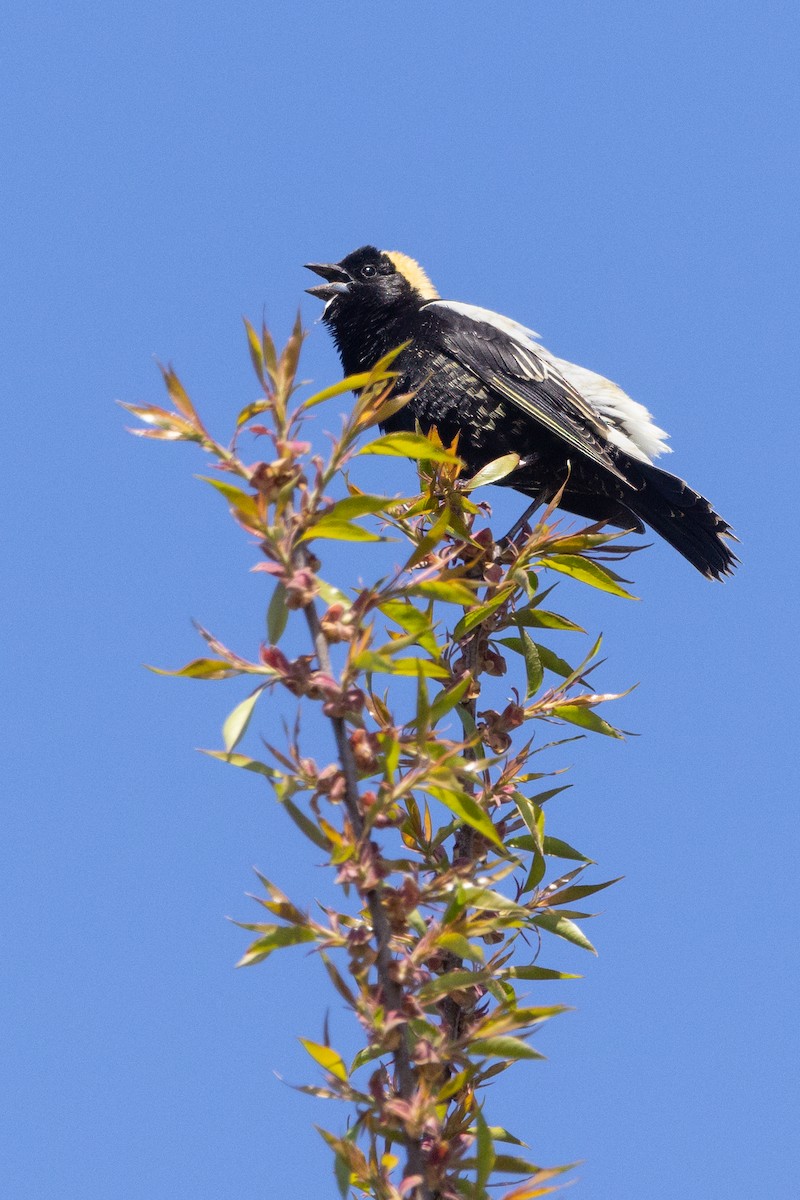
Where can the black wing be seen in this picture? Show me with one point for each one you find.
(506, 360)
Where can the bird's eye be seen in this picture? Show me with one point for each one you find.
(368, 271)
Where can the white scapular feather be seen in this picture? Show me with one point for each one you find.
(630, 425)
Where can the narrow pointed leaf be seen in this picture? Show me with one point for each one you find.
(351, 383)
(485, 1154)
(237, 721)
(493, 471)
(277, 614)
(247, 764)
(564, 928)
(202, 668)
(468, 810)
(340, 531)
(502, 1047)
(409, 445)
(587, 571)
(328, 1058)
(280, 937)
(586, 718)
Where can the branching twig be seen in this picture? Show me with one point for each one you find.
(391, 990)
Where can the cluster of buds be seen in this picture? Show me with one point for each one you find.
(299, 583)
(297, 675)
(337, 623)
(495, 727)
(283, 474)
(360, 950)
(442, 1153)
(399, 902)
(386, 814)
(488, 661)
(365, 868)
(300, 588)
(366, 750)
(331, 782)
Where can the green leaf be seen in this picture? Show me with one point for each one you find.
(448, 699)
(279, 937)
(277, 615)
(179, 395)
(409, 445)
(533, 664)
(558, 849)
(504, 1047)
(455, 1084)
(536, 873)
(351, 383)
(552, 662)
(501, 1134)
(546, 656)
(340, 531)
(430, 540)
(359, 506)
(342, 1174)
(533, 817)
(513, 1164)
(534, 972)
(243, 503)
(587, 571)
(369, 660)
(493, 471)
(451, 981)
(457, 944)
(305, 824)
(203, 668)
(331, 594)
(328, 1058)
(579, 891)
(538, 618)
(578, 714)
(560, 925)
(477, 615)
(256, 353)
(485, 1154)
(339, 983)
(252, 410)
(247, 764)
(452, 591)
(467, 808)
(413, 620)
(237, 721)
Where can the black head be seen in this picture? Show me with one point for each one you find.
(371, 279)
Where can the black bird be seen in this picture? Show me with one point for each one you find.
(489, 380)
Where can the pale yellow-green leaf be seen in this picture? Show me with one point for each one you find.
(328, 1058)
(409, 445)
(493, 471)
(236, 722)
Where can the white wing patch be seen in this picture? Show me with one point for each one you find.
(630, 425)
(520, 333)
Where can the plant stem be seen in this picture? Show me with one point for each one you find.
(392, 991)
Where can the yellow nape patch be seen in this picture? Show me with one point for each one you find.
(414, 273)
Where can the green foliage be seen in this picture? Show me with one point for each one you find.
(431, 815)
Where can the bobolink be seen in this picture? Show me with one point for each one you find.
(489, 380)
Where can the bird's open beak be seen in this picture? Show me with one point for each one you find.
(338, 280)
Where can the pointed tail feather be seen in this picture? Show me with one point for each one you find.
(683, 518)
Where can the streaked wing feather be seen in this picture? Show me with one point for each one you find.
(512, 367)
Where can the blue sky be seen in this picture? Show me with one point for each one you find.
(622, 177)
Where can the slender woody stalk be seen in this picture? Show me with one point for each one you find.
(434, 954)
(392, 991)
